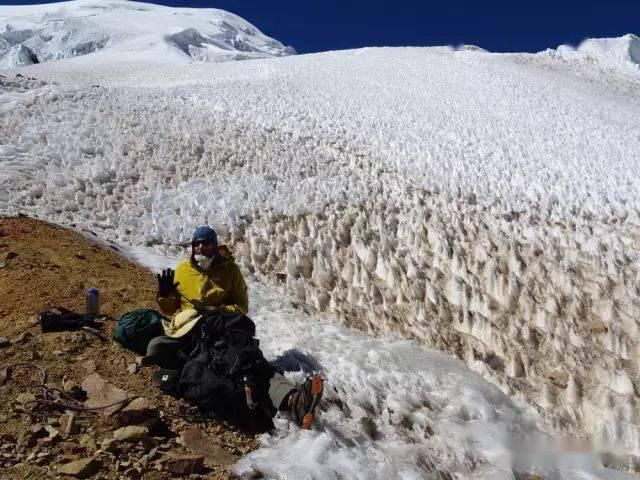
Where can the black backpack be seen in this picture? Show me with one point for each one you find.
(227, 372)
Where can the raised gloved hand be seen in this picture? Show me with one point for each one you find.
(166, 285)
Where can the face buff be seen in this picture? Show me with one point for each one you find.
(203, 261)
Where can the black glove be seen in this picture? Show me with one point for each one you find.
(166, 286)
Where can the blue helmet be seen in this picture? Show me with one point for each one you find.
(205, 233)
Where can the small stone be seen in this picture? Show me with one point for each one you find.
(4, 342)
(598, 327)
(132, 368)
(110, 445)
(25, 398)
(183, 464)
(71, 448)
(133, 473)
(559, 379)
(83, 468)
(156, 475)
(33, 355)
(53, 433)
(28, 440)
(88, 442)
(152, 453)
(89, 366)
(132, 433)
(139, 410)
(23, 337)
(8, 256)
(199, 443)
(69, 425)
(69, 385)
(101, 393)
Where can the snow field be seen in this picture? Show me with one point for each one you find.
(486, 205)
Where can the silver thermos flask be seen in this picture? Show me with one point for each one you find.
(92, 303)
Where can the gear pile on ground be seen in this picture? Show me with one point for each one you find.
(43, 266)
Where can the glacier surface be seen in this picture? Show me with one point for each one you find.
(482, 204)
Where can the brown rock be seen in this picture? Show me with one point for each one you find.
(7, 437)
(83, 468)
(598, 327)
(27, 440)
(25, 398)
(132, 368)
(33, 355)
(101, 393)
(89, 366)
(559, 379)
(4, 260)
(53, 432)
(133, 473)
(23, 337)
(183, 464)
(68, 424)
(71, 448)
(139, 410)
(199, 443)
(110, 445)
(132, 433)
(88, 442)
(155, 475)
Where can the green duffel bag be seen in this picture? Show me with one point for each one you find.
(135, 329)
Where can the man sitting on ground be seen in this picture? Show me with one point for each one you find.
(208, 282)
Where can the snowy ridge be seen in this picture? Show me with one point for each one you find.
(623, 50)
(128, 31)
(619, 53)
(480, 203)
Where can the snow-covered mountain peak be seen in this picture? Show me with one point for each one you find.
(128, 30)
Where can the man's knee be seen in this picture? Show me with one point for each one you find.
(164, 352)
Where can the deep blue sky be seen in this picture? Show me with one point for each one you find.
(497, 25)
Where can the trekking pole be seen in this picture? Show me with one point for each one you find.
(95, 332)
(248, 391)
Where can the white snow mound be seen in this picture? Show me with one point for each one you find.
(130, 30)
(612, 52)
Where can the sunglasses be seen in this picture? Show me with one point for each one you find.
(202, 243)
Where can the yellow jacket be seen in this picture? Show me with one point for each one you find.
(222, 285)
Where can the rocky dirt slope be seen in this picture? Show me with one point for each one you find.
(42, 266)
